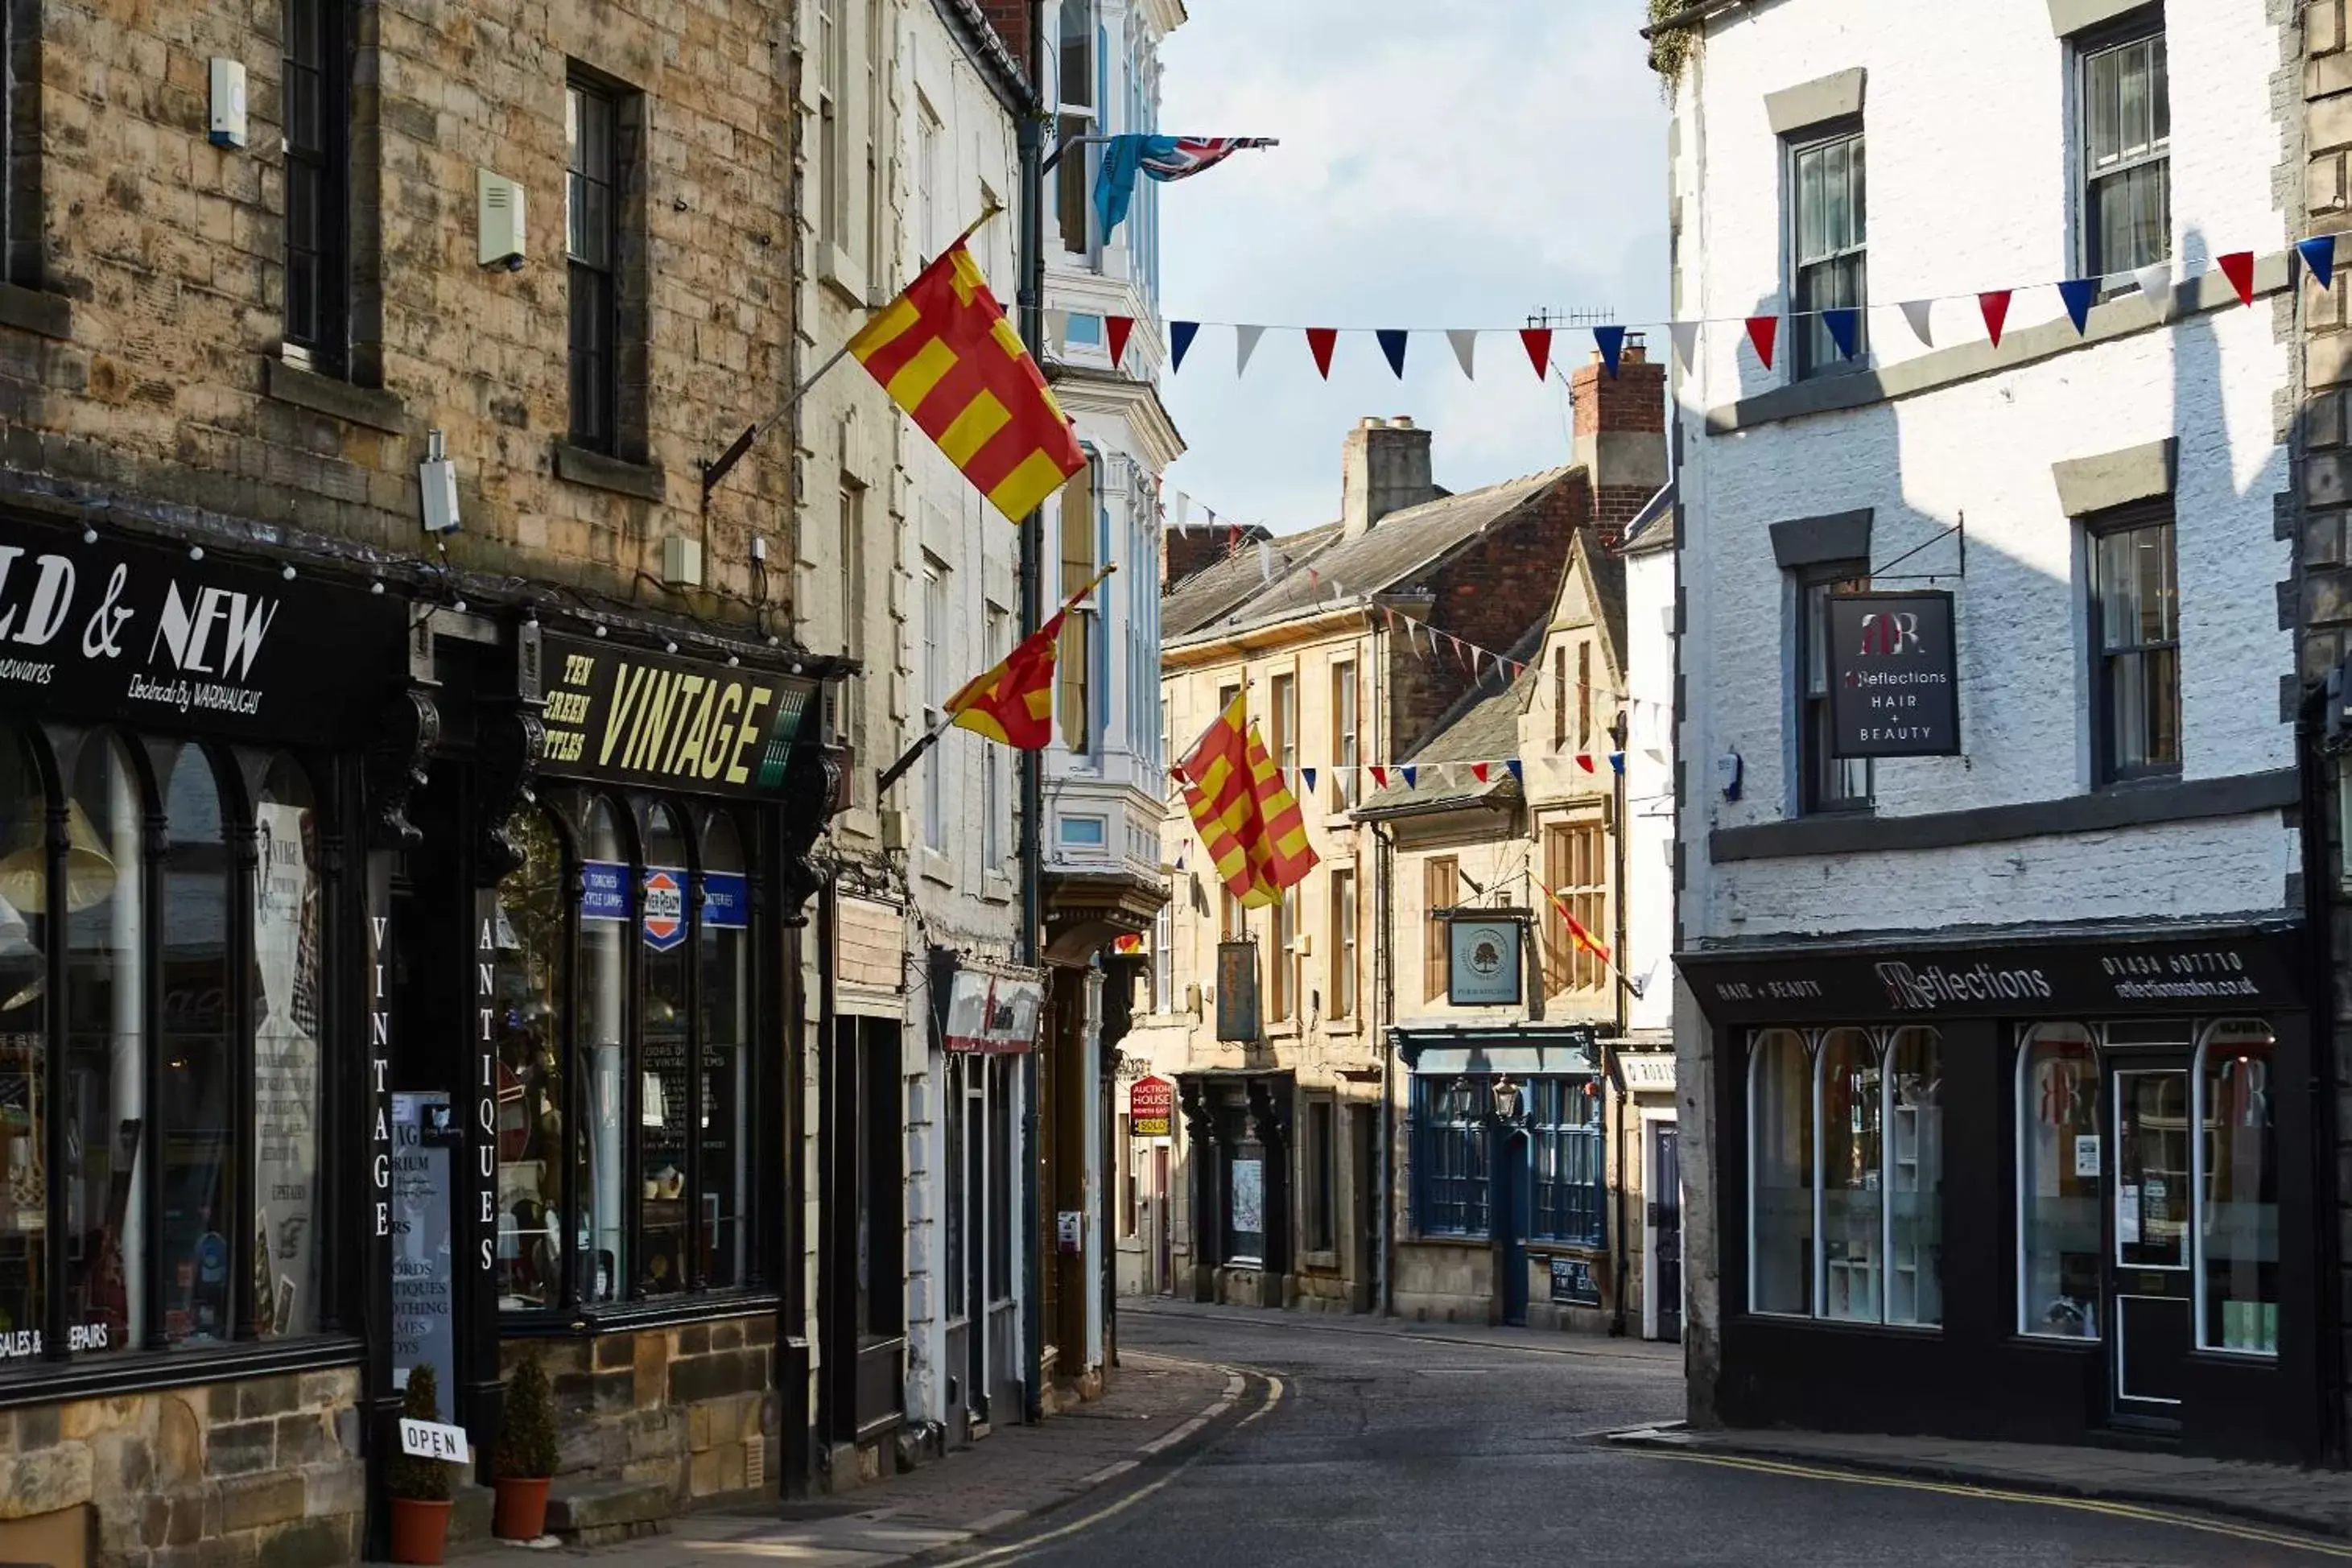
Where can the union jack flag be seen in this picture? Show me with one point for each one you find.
(1161, 157)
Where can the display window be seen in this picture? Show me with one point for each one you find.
(2237, 1187)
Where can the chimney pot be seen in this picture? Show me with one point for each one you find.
(1384, 468)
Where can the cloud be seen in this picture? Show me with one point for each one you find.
(1439, 167)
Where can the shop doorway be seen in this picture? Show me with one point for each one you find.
(2149, 1296)
(1160, 1239)
(1662, 1283)
(1514, 1195)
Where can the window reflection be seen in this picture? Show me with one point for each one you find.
(665, 1104)
(2238, 1223)
(530, 934)
(25, 933)
(2060, 1157)
(1780, 1131)
(286, 947)
(106, 1059)
(196, 1088)
(604, 915)
(723, 1127)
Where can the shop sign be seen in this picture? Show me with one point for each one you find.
(726, 901)
(603, 891)
(1151, 1106)
(1894, 675)
(1652, 1072)
(1572, 1283)
(665, 904)
(1483, 968)
(624, 716)
(149, 634)
(1237, 1009)
(2212, 972)
(434, 1440)
(994, 1013)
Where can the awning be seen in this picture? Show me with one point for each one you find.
(1522, 1052)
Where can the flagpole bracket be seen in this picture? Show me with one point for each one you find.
(1958, 532)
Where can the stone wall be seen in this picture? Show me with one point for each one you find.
(688, 1411)
(266, 1472)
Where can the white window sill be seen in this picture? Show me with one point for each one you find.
(937, 868)
(838, 271)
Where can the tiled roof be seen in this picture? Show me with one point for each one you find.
(1216, 592)
(1653, 527)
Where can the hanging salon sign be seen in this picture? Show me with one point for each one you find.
(624, 716)
(163, 637)
(1894, 675)
(2201, 973)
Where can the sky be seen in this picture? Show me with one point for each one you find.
(1441, 165)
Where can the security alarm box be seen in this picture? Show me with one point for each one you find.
(436, 483)
(500, 219)
(228, 104)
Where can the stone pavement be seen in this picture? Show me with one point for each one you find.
(2316, 1501)
(1157, 1408)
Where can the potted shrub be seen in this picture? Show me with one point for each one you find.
(419, 1484)
(524, 1460)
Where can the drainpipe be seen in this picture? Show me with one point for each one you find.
(2316, 760)
(1031, 241)
(1384, 982)
(1618, 733)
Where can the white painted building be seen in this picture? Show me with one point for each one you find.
(1947, 1021)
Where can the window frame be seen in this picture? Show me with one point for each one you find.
(325, 346)
(1436, 950)
(1812, 353)
(2098, 531)
(1561, 1199)
(1074, 176)
(1319, 1176)
(2086, 51)
(1452, 1189)
(1347, 745)
(1570, 968)
(1343, 965)
(2204, 1331)
(592, 288)
(936, 599)
(1816, 718)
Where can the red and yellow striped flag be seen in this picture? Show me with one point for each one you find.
(1577, 936)
(945, 354)
(1012, 703)
(1249, 819)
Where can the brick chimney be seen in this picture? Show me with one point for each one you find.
(1384, 468)
(1620, 434)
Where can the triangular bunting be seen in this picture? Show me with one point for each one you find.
(1685, 336)
(1617, 762)
(1058, 330)
(2238, 267)
(2318, 254)
(1845, 330)
(1538, 345)
(1994, 303)
(2079, 293)
(2155, 282)
(1320, 341)
(1380, 776)
(1921, 314)
(1480, 771)
(1518, 770)
(1465, 350)
(1121, 328)
(1584, 760)
(1245, 345)
(1392, 345)
(1180, 343)
(1307, 776)
(1412, 775)
(1764, 332)
(1264, 561)
(1610, 342)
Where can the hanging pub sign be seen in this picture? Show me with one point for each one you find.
(1894, 675)
(995, 1012)
(1483, 964)
(626, 715)
(164, 636)
(1237, 1011)
(1151, 1106)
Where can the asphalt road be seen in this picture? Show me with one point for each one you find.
(1386, 1447)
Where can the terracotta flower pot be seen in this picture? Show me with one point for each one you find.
(420, 1530)
(521, 1512)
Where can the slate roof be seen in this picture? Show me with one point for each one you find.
(1399, 547)
(1653, 527)
(1484, 727)
(1606, 572)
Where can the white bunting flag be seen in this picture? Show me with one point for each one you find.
(1264, 561)
(1685, 336)
(1921, 314)
(1466, 349)
(1183, 511)
(1245, 345)
(2156, 283)
(1058, 330)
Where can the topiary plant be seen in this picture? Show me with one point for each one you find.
(415, 1478)
(526, 1449)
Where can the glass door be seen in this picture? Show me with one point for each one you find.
(2151, 1299)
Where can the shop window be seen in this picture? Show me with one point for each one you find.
(1449, 1158)
(531, 933)
(1320, 1155)
(1780, 1173)
(1915, 1173)
(2060, 1182)
(1853, 1214)
(1245, 1203)
(2237, 1191)
(164, 1223)
(662, 1090)
(1566, 1128)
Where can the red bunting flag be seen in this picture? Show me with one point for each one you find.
(1994, 303)
(1539, 344)
(1584, 760)
(1380, 776)
(1480, 770)
(2238, 267)
(1320, 341)
(1121, 327)
(1764, 332)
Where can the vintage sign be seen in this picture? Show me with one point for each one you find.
(434, 1440)
(603, 891)
(1894, 675)
(664, 908)
(165, 636)
(1151, 1106)
(1237, 1008)
(2203, 973)
(1572, 1283)
(1484, 967)
(626, 715)
(1648, 1072)
(995, 1012)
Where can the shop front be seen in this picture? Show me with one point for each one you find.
(187, 1280)
(2047, 1190)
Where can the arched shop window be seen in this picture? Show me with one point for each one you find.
(1845, 1175)
(2060, 1182)
(181, 1067)
(625, 1126)
(2237, 1190)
